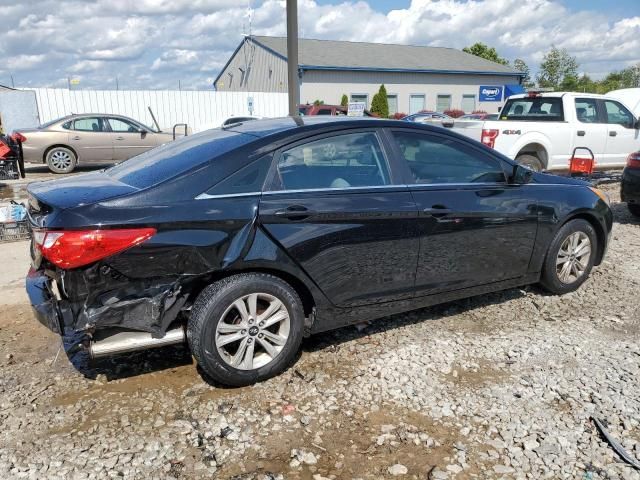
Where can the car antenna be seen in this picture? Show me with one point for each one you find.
(154, 119)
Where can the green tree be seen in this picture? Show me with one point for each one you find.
(380, 104)
(344, 101)
(521, 66)
(481, 50)
(557, 66)
(318, 102)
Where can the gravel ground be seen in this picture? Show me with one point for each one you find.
(498, 386)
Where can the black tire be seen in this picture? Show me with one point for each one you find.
(530, 161)
(634, 208)
(550, 279)
(61, 160)
(207, 313)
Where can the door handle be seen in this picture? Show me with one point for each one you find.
(581, 133)
(75, 138)
(613, 133)
(119, 138)
(294, 212)
(437, 211)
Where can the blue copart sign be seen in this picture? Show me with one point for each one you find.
(490, 93)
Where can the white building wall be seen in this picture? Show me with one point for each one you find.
(329, 86)
(198, 109)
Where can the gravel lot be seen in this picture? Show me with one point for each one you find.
(499, 386)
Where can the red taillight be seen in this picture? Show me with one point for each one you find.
(18, 137)
(72, 249)
(633, 160)
(489, 137)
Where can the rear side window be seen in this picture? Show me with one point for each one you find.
(249, 179)
(536, 109)
(587, 110)
(342, 161)
(171, 159)
(433, 160)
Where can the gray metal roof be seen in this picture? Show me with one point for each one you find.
(341, 55)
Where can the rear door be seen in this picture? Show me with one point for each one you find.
(589, 132)
(622, 137)
(475, 228)
(336, 206)
(128, 138)
(90, 138)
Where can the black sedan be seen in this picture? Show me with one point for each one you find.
(241, 241)
(630, 186)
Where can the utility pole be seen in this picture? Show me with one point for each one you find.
(292, 57)
(117, 84)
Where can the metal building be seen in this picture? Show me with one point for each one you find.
(416, 77)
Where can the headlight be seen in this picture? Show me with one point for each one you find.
(601, 194)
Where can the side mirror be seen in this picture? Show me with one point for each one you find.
(521, 175)
(636, 125)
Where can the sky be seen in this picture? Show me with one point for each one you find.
(157, 44)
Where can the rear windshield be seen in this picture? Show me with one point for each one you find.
(536, 109)
(171, 159)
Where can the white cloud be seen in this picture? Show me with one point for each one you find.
(155, 43)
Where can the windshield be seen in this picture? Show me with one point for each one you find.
(537, 109)
(171, 159)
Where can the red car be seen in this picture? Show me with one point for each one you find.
(333, 110)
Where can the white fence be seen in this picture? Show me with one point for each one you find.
(199, 109)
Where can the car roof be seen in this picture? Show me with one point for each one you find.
(558, 94)
(272, 126)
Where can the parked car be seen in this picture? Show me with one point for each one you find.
(430, 117)
(257, 235)
(541, 130)
(88, 138)
(479, 116)
(630, 185)
(329, 110)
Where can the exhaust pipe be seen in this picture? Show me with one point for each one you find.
(132, 341)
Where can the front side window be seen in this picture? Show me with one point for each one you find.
(89, 124)
(433, 159)
(342, 161)
(618, 114)
(122, 126)
(537, 109)
(587, 110)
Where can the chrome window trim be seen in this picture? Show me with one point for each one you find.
(206, 196)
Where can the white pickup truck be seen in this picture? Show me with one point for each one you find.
(541, 130)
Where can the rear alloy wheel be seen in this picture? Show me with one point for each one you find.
(570, 257)
(634, 208)
(246, 328)
(531, 162)
(61, 160)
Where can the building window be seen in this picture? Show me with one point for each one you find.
(416, 103)
(361, 98)
(443, 103)
(392, 100)
(468, 103)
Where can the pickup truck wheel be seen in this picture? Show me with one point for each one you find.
(634, 208)
(530, 161)
(61, 160)
(246, 328)
(570, 257)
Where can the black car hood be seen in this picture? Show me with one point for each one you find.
(548, 178)
(79, 190)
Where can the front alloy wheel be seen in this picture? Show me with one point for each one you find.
(570, 257)
(246, 328)
(573, 257)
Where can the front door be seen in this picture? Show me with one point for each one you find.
(90, 139)
(337, 210)
(622, 137)
(128, 139)
(475, 228)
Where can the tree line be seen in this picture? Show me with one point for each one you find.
(559, 71)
